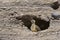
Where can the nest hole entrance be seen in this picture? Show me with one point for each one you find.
(42, 24)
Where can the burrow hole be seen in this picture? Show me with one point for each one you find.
(26, 19)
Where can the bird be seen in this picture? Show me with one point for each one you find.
(34, 27)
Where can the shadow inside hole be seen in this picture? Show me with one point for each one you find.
(26, 19)
(42, 23)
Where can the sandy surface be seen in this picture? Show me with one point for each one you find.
(11, 29)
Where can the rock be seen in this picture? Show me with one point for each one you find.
(56, 15)
(55, 5)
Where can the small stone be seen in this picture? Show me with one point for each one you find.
(56, 15)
